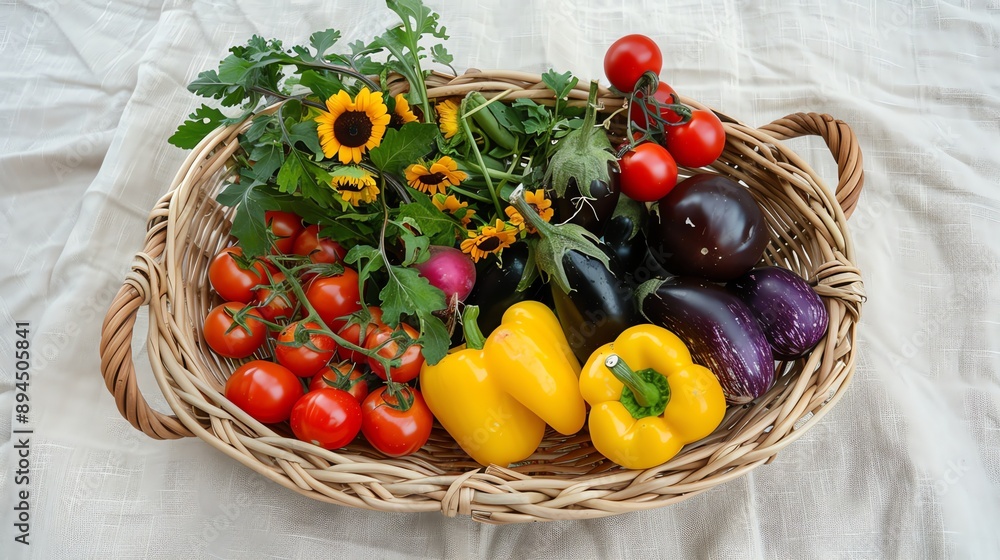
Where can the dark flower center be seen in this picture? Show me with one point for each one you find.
(351, 187)
(432, 178)
(489, 244)
(353, 129)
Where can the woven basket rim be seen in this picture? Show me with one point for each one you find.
(186, 226)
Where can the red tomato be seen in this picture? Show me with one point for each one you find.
(285, 226)
(344, 376)
(281, 306)
(351, 332)
(329, 418)
(233, 278)
(392, 430)
(334, 297)
(264, 390)
(629, 58)
(410, 358)
(293, 349)
(698, 142)
(664, 96)
(648, 172)
(229, 339)
(318, 249)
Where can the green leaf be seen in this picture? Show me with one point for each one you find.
(417, 18)
(366, 260)
(441, 55)
(200, 124)
(507, 116)
(400, 148)
(439, 228)
(414, 245)
(251, 199)
(535, 118)
(305, 132)
(323, 40)
(560, 84)
(434, 338)
(289, 175)
(324, 85)
(269, 158)
(406, 291)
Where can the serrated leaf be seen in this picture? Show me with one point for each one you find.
(441, 55)
(414, 245)
(305, 132)
(407, 291)
(268, 159)
(251, 199)
(323, 40)
(434, 338)
(289, 175)
(534, 118)
(507, 116)
(439, 228)
(324, 86)
(400, 148)
(560, 84)
(200, 124)
(366, 260)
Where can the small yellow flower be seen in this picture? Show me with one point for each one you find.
(448, 117)
(453, 206)
(435, 177)
(355, 185)
(349, 127)
(541, 205)
(489, 240)
(402, 113)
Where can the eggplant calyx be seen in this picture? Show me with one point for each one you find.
(556, 240)
(583, 155)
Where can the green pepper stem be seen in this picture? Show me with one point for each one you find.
(473, 336)
(646, 394)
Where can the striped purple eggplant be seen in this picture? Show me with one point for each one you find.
(790, 312)
(719, 330)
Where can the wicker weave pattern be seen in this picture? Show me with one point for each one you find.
(566, 478)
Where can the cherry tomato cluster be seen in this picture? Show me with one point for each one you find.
(663, 132)
(323, 363)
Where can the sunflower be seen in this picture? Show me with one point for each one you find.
(489, 239)
(401, 113)
(354, 184)
(453, 206)
(539, 203)
(448, 117)
(350, 127)
(433, 178)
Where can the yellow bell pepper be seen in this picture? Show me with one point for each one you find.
(495, 396)
(647, 398)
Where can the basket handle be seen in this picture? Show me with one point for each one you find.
(117, 364)
(843, 146)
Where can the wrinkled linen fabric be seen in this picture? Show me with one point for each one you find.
(907, 464)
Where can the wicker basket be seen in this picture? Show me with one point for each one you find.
(566, 478)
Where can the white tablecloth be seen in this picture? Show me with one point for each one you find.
(907, 465)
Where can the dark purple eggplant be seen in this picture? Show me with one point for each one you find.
(708, 226)
(496, 286)
(789, 311)
(592, 296)
(624, 233)
(599, 306)
(719, 330)
(592, 211)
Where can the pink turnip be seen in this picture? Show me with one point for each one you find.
(450, 270)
